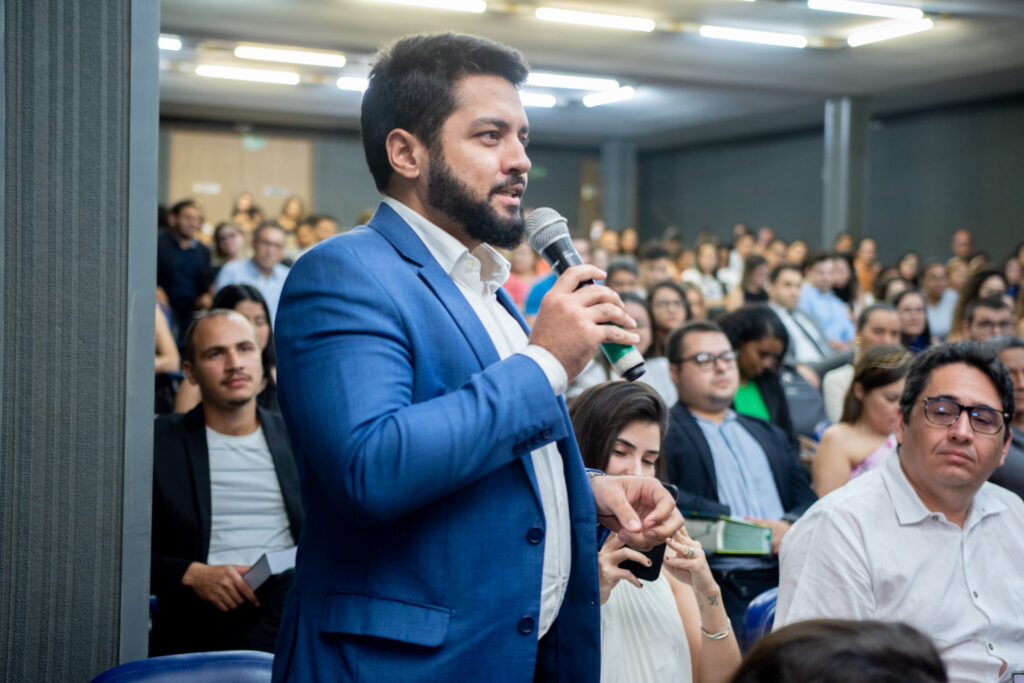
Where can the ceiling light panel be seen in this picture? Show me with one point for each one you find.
(887, 31)
(547, 79)
(353, 83)
(474, 6)
(596, 99)
(750, 36)
(537, 99)
(169, 42)
(870, 9)
(594, 19)
(266, 53)
(236, 73)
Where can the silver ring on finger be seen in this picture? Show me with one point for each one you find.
(690, 552)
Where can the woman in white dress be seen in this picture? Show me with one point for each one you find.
(673, 628)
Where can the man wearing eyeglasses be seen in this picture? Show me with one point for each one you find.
(729, 464)
(987, 317)
(264, 270)
(924, 539)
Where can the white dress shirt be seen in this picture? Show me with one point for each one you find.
(872, 550)
(834, 387)
(478, 275)
(807, 343)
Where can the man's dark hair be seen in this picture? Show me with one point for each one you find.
(412, 87)
(865, 314)
(652, 251)
(968, 353)
(843, 651)
(311, 220)
(996, 303)
(815, 258)
(178, 207)
(634, 298)
(601, 412)
(620, 264)
(783, 267)
(677, 338)
(264, 226)
(753, 322)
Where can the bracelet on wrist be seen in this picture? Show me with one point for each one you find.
(716, 636)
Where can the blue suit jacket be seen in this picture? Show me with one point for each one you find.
(422, 549)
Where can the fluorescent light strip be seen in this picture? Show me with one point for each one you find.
(353, 83)
(475, 6)
(537, 99)
(869, 9)
(544, 79)
(169, 42)
(749, 36)
(241, 74)
(288, 56)
(888, 30)
(565, 16)
(596, 99)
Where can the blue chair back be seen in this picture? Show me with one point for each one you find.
(759, 618)
(238, 666)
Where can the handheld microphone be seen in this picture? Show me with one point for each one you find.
(547, 233)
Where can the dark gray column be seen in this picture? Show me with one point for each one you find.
(618, 184)
(844, 177)
(78, 142)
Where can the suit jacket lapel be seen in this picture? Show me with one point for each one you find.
(693, 431)
(287, 475)
(199, 463)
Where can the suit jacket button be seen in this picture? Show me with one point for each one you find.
(526, 625)
(535, 535)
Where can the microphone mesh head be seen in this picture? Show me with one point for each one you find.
(544, 226)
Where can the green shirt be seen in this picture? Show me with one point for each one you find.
(749, 401)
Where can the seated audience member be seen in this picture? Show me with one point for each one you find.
(876, 325)
(865, 264)
(695, 300)
(750, 289)
(225, 491)
(818, 300)
(914, 332)
(622, 276)
(962, 244)
(889, 286)
(669, 309)
(987, 317)
(167, 361)
(264, 270)
(291, 213)
(228, 244)
(628, 242)
(909, 268)
(863, 435)
(326, 227)
(924, 538)
(742, 248)
(844, 282)
(703, 275)
(654, 265)
(808, 343)
(796, 253)
(248, 301)
(305, 239)
(1012, 274)
(183, 264)
(522, 273)
(1011, 352)
(675, 629)
(957, 272)
(775, 253)
(760, 340)
(843, 651)
(940, 299)
(542, 285)
(729, 464)
(983, 283)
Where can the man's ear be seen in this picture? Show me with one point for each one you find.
(406, 153)
(189, 371)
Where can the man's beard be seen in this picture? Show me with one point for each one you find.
(482, 222)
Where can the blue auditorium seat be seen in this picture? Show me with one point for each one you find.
(759, 618)
(237, 666)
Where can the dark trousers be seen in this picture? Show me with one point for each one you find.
(183, 622)
(740, 586)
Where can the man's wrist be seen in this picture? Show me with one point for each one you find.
(592, 473)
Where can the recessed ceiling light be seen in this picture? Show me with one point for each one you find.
(870, 9)
(537, 99)
(236, 73)
(750, 36)
(475, 6)
(353, 83)
(596, 99)
(169, 42)
(618, 21)
(546, 79)
(290, 56)
(887, 31)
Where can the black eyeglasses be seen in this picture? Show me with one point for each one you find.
(945, 412)
(705, 360)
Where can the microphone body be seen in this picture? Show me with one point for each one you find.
(548, 233)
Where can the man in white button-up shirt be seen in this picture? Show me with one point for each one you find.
(924, 539)
(451, 531)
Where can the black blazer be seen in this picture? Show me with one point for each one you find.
(692, 468)
(774, 397)
(181, 491)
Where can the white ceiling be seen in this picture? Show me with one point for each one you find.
(689, 88)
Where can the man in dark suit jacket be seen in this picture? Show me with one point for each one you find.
(729, 464)
(216, 505)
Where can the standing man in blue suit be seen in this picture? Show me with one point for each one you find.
(451, 528)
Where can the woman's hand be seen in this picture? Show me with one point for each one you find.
(612, 553)
(688, 563)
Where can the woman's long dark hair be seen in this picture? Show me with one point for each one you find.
(601, 412)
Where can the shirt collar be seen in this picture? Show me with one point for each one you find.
(730, 416)
(483, 267)
(910, 509)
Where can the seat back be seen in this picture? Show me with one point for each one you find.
(238, 666)
(759, 618)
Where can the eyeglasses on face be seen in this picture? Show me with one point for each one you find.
(669, 303)
(704, 360)
(944, 412)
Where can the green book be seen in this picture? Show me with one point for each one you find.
(728, 536)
